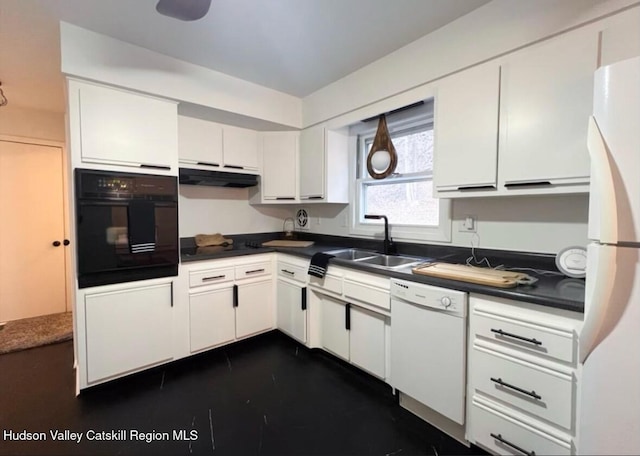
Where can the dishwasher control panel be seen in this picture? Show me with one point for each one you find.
(452, 301)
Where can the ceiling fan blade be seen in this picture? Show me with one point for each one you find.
(185, 10)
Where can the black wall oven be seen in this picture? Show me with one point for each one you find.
(126, 227)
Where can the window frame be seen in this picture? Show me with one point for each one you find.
(400, 232)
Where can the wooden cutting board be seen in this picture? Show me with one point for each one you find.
(472, 274)
(284, 243)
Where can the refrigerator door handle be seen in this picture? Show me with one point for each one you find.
(603, 186)
(597, 298)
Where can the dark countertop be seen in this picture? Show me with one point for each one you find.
(551, 290)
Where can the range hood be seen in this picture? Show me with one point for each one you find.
(212, 178)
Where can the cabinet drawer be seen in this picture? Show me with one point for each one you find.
(367, 294)
(253, 270)
(293, 272)
(534, 389)
(502, 434)
(329, 283)
(210, 276)
(529, 335)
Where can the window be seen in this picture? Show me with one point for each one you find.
(405, 197)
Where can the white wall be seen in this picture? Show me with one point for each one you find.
(97, 57)
(31, 123)
(494, 29)
(537, 224)
(209, 210)
(542, 224)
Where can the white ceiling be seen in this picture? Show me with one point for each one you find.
(294, 46)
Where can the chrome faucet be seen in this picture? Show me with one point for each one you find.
(389, 246)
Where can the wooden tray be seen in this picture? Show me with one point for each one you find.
(284, 243)
(472, 274)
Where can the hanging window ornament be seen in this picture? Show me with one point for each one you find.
(382, 159)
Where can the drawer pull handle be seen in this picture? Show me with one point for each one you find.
(254, 271)
(499, 438)
(206, 279)
(287, 272)
(533, 394)
(515, 336)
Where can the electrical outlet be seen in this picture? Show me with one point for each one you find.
(469, 224)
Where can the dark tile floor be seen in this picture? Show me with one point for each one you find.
(267, 395)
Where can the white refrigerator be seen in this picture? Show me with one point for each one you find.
(608, 419)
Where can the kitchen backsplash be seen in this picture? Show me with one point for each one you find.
(225, 210)
(543, 224)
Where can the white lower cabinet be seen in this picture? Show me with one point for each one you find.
(253, 308)
(211, 318)
(291, 297)
(501, 433)
(353, 333)
(523, 377)
(334, 332)
(128, 328)
(292, 310)
(367, 340)
(228, 300)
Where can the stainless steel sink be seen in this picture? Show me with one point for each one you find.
(352, 254)
(390, 261)
(375, 259)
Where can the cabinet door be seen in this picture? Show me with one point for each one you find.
(291, 317)
(124, 128)
(211, 318)
(335, 336)
(254, 312)
(312, 163)
(127, 329)
(367, 340)
(279, 169)
(199, 142)
(466, 129)
(240, 147)
(545, 102)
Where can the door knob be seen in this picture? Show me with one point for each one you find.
(56, 243)
(66, 242)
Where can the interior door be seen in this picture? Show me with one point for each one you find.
(32, 269)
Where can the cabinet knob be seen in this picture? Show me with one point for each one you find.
(66, 242)
(56, 243)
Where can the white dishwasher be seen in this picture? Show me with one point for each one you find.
(428, 346)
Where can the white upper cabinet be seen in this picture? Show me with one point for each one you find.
(324, 165)
(312, 163)
(518, 125)
(199, 142)
(240, 147)
(545, 102)
(280, 165)
(466, 130)
(206, 145)
(113, 128)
